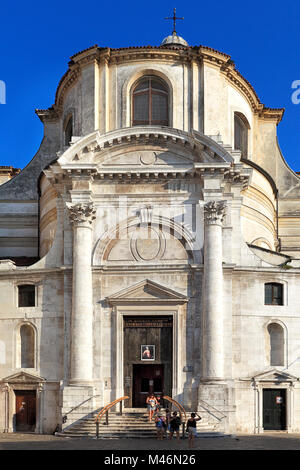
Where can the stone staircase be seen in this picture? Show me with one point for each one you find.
(132, 424)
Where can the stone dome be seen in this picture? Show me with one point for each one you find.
(174, 39)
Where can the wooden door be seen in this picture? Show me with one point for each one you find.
(140, 333)
(25, 410)
(147, 379)
(274, 409)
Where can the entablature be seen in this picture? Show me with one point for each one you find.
(146, 155)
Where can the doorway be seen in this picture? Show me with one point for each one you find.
(147, 379)
(148, 357)
(274, 409)
(25, 410)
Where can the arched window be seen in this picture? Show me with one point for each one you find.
(68, 131)
(27, 338)
(273, 293)
(26, 295)
(276, 344)
(150, 102)
(241, 128)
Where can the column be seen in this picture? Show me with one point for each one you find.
(82, 216)
(5, 389)
(39, 409)
(213, 354)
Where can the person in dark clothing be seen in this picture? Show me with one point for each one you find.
(175, 423)
(191, 428)
(168, 418)
(160, 424)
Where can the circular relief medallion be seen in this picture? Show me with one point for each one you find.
(147, 244)
(148, 158)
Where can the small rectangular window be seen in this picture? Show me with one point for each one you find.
(273, 293)
(26, 296)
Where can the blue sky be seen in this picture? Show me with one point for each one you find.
(37, 39)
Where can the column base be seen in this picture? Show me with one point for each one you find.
(216, 402)
(83, 382)
(212, 380)
(77, 402)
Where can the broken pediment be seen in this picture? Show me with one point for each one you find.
(147, 291)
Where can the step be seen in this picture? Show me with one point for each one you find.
(81, 425)
(133, 423)
(126, 423)
(118, 435)
(108, 428)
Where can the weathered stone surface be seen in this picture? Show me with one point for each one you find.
(131, 221)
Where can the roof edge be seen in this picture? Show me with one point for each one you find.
(168, 52)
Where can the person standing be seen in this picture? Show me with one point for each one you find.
(151, 405)
(160, 426)
(158, 406)
(192, 428)
(168, 418)
(175, 423)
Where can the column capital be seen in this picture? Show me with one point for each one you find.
(81, 213)
(214, 212)
(5, 388)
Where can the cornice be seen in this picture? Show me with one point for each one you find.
(263, 172)
(237, 79)
(155, 294)
(145, 135)
(137, 176)
(185, 55)
(54, 112)
(78, 160)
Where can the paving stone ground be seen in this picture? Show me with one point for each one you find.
(266, 441)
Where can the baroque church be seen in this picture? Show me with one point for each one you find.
(152, 244)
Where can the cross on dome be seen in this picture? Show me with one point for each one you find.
(174, 18)
(173, 39)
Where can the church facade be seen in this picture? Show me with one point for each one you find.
(152, 244)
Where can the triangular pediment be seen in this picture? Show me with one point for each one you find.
(23, 377)
(275, 375)
(147, 291)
